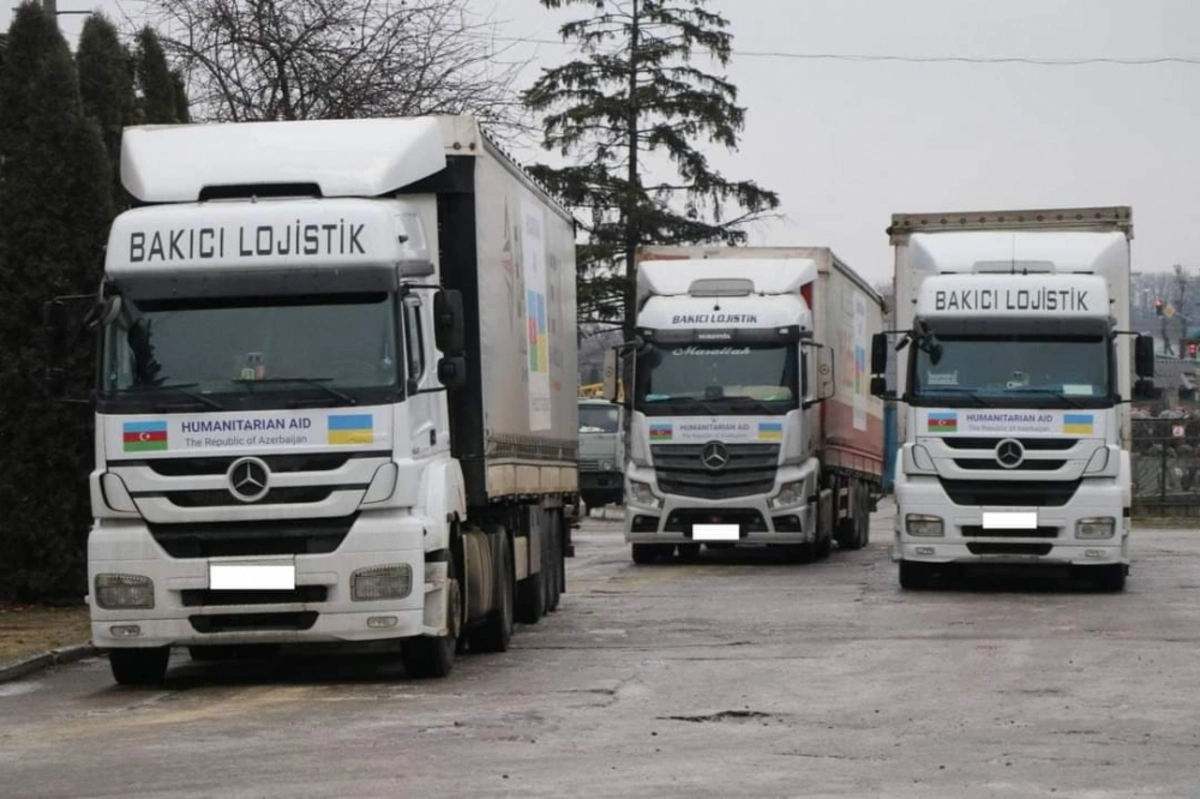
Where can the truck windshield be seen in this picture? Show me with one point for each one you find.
(598, 419)
(1030, 371)
(253, 352)
(697, 379)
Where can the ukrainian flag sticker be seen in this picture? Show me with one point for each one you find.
(1079, 424)
(351, 428)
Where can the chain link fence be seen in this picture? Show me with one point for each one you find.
(1166, 465)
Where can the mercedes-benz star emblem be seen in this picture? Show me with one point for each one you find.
(714, 456)
(249, 479)
(1010, 453)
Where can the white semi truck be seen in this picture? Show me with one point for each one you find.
(752, 420)
(336, 398)
(1013, 330)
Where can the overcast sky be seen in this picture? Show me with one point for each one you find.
(847, 144)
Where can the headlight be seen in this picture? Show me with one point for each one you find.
(607, 466)
(789, 494)
(643, 495)
(920, 525)
(381, 582)
(1096, 527)
(124, 592)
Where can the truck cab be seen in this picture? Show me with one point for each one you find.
(1014, 369)
(601, 452)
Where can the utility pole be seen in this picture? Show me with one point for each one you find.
(1181, 284)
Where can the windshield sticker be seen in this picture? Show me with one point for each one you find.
(223, 434)
(1079, 424)
(770, 431)
(1078, 391)
(941, 379)
(661, 431)
(352, 428)
(145, 436)
(942, 422)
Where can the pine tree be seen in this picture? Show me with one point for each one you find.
(182, 112)
(159, 104)
(56, 192)
(634, 100)
(106, 88)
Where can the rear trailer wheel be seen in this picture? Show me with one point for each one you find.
(915, 576)
(432, 657)
(139, 666)
(494, 634)
(850, 532)
(558, 565)
(531, 595)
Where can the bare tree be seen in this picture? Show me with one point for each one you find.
(247, 60)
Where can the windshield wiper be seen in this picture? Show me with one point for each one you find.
(1070, 401)
(315, 382)
(966, 392)
(179, 388)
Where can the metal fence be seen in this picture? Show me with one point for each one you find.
(1166, 465)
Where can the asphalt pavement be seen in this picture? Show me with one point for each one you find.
(738, 675)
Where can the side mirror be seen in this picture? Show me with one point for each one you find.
(1144, 390)
(452, 372)
(611, 367)
(879, 353)
(449, 323)
(879, 387)
(1143, 350)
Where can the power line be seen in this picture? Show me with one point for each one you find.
(862, 57)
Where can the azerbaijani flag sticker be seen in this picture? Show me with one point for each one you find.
(662, 431)
(351, 428)
(145, 436)
(942, 422)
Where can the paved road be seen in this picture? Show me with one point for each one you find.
(730, 677)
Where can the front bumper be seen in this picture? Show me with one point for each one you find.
(759, 523)
(374, 539)
(964, 540)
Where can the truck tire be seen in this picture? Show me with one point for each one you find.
(432, 657)
(494, 634)
(147, 666)
(558, 564)
(532, 594)
(1109, 578)
(915, 576)
(850, 532)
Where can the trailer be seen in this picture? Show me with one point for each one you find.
(336, 399)
(752, 418)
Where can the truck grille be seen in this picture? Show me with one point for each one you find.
(978, 548)
(1011, 493)
(750, 470)
(589, 465)
(194, 467)
(1023, 466)
(245, 622)
(1030, 444)
(276, 496)
(240, 539)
